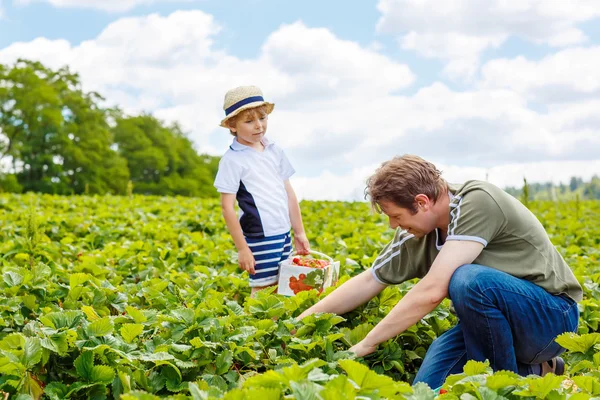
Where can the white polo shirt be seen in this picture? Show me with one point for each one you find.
(257, 179)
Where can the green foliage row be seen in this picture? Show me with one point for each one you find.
(140, 297)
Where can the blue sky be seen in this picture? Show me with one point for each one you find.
(506, 90)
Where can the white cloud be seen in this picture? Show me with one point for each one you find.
(340, 107)
(105, 5)
(168, 65)
(460, 30)
(560, 77)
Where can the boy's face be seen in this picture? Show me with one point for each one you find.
(250, 128)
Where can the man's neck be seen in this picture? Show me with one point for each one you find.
(442, 209)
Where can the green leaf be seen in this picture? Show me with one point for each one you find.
(56, 390)
(184, 315)
(139, 395)
(578, 343)
(224, 362)
(589, 384)
(357, 334)
(131, 331)
(30, 302)
(338, 388)
(489, 394)
(421, 391)
(12, 278)
(541, 387)
(305, 390)
(102, 374)
(160, 356)
(502, 379)
(57, 343)
(369, 381)
(84, 364)
(32, 352)
(269, 379)
(196, 393)
(78, 279)
(32, 388)
(91, 314)
(136, 314)
(14, 343)
(262, 394)
(477, 368)
(100, 327)
(63, 319)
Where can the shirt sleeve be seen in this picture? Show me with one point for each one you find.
(476, 217)
(228, 176)
(393, 265)
(286, 170)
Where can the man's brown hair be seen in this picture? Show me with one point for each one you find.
(255, 112)
(401, 179)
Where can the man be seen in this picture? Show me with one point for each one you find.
(512, 291)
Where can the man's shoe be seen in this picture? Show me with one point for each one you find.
(556, 366)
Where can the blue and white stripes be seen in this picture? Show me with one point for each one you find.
(268, 253)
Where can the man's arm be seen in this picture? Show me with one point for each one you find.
(423, 298)
(301, 241)
(358, 290)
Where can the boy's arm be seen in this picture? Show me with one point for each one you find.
(245, 257)
(300, 239)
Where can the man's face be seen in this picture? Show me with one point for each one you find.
(419, 224)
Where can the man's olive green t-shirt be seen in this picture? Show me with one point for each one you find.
(514, 242)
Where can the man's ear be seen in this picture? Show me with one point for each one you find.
(422, 202)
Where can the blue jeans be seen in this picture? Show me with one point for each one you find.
(509, 321)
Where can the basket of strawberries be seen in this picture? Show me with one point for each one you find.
(314, 271)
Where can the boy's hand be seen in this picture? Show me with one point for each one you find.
(246, 260)
(302, 245)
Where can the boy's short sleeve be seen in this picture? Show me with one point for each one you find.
(475, 216)
(393, 265)
(286, 170)
(228, 176)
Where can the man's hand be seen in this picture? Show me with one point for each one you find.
(301, 243)
(246, 260)
(362, 349)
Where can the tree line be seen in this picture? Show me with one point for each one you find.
(576, 188)
(57, 138)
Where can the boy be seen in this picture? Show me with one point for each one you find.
(256, 172)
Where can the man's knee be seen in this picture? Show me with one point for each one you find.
(464, 279)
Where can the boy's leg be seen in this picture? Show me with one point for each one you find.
(509, 321)
(268, 253)
(447, 355)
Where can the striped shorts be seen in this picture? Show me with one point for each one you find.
(268, 253)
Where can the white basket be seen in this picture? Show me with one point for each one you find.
(310, 278)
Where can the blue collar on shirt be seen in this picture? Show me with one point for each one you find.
(237, 146)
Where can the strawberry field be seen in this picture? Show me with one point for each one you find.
(141, 298)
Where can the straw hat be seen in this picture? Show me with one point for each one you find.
(242, 98)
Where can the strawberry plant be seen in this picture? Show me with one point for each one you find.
(137, 297)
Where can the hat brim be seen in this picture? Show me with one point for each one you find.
(270, 107)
